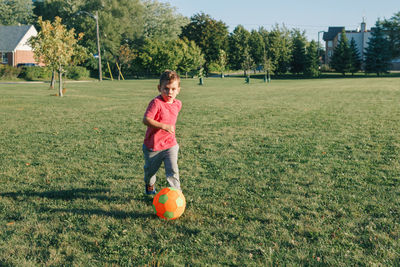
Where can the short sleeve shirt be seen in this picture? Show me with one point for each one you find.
(161, 111)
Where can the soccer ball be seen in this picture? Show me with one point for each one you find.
(169, 203)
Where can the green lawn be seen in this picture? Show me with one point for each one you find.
(296, 172)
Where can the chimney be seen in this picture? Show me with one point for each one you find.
(363, 26)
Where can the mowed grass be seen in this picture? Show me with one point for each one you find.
(298, 172)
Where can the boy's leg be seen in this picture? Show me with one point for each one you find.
(171, 167)
(152, 162)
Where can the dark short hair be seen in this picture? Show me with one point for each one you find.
(169, 76)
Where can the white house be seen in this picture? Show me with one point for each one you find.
(361, 37)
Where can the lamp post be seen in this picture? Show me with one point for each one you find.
(96, 17)
(98, 44)
(318, 52)
(318, 40)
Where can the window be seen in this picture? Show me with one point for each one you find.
(330, 44)
(4, 58)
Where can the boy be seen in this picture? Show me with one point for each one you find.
(160, 144)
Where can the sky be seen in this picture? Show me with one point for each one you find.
(309, 15)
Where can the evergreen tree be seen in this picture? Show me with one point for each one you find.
(341, 58)
(279, 49)
(355, 59)
(311, 68)
(298, 62)
(256, 46)
(392, 29)
(238, 44)
(377, 54)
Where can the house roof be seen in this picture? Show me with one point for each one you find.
(331, 33)
(10, 36)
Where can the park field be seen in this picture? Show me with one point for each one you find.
(294, 172)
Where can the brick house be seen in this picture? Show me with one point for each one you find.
(14, 48)
(361, 37)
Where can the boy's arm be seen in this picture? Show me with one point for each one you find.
(158, 125)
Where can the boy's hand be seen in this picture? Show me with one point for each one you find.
(158, 125)
(169, 128)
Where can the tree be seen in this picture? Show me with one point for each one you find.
(256, 46)
(192, 58)
(267, 66)
(57, 47)
(209, 34)
(238, 45)
(311, 63)
(222, 62)
(247, 63)
(15, 12)
(341, 58)
(392, 29)
(120, 22)
(279, 49)
(298, 59)
(66, 10)
(161, 21)
(377, 54)
(157, 56)
(355, 58)
(125, 57)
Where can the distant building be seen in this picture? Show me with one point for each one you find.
(332, 38)
(361, 37)
(14, 47)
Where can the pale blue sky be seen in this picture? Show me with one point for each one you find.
(309, 15)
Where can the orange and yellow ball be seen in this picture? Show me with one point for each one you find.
(169, 203)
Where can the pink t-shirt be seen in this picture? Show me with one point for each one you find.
(161, 111)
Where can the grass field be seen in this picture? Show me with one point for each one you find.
(296, 172)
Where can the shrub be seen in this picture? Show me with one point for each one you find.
(35, 73)
(8, 72)
(214, 67)
(326, 68)
(77, 73)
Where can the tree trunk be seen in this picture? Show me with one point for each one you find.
(53, 79)
(60, 89)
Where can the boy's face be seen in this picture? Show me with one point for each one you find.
(169, 90)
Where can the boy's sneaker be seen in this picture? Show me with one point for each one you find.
(150, 190)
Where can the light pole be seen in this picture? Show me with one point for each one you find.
(318, 52)
(96, 17)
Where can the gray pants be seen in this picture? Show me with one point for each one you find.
(153, 160)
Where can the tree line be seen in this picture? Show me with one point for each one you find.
(381, 48)
(145, 37)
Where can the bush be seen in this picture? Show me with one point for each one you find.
(214, 67)
(326, 68)
(35, 73)
(8, 72)
(77, 73)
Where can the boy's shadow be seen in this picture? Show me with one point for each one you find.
(100, 194)
(117, 214)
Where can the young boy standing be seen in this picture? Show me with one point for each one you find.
(160, 144)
